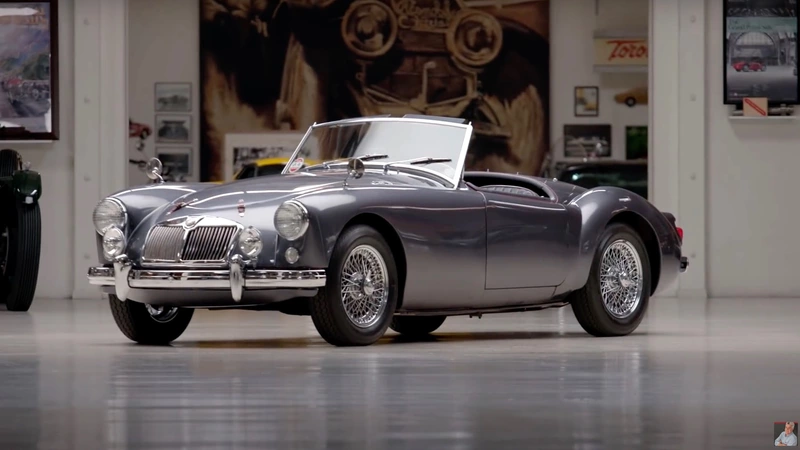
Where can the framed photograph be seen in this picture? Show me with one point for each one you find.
(587, 101)
(244, 148)
(636, 142)
(173, 97)
(760, 51)
(29, 70)
(177, 161)
(584, 141)
(173, 128)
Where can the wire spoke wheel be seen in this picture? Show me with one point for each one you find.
(621, 279)
(364, 286)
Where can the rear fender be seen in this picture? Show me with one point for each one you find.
(599, 206)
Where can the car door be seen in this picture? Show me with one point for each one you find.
(527, 244)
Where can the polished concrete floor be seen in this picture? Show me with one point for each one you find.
(695, 375)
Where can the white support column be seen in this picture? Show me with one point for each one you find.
(677, 128)
(101, 120)
(692, 145)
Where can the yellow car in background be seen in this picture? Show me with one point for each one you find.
(266, 166)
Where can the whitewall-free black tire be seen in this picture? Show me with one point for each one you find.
(359, 299)
(616, 295)
(149, 325)
(416, 326)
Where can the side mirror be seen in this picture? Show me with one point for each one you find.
(153, 169)
(355, 168)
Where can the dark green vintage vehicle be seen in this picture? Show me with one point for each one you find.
(20, 231)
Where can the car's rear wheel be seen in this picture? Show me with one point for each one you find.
(20, 249)
(416, 326)
(147, 324)
(356, 305)
(615, 298)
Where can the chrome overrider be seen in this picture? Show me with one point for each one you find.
(234, 275)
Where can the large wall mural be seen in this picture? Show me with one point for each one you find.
(285, 64)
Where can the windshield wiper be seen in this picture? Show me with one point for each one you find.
(418, 161)
(369, 157)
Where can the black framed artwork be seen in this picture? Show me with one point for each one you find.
(173, 97)
(636, 142)
(760, 51)
(582, 141)
(29, 70)
(587, 101)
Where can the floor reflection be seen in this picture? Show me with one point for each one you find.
(68, 379)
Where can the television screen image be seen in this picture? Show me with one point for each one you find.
(761, 51)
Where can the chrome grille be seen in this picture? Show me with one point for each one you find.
(164, 243)
(208, 243)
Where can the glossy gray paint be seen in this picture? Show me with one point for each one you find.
(464, 249)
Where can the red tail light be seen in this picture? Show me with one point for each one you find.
(680, 232)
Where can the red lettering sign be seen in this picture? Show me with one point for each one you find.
(630, 49)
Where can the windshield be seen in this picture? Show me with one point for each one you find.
(398, 139)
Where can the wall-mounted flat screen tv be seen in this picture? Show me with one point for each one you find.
(761, 51)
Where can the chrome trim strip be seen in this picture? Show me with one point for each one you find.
(210, 279)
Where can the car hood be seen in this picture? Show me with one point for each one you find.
(240, 200)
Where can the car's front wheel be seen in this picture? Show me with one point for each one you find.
(356, 305)
(615, 297)
(147, 324)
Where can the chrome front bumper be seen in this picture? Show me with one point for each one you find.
(236, 279)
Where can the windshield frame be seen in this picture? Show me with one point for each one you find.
(455, 181)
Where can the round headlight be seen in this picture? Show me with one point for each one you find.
(250, 242)
(113, 243)
(291, 220)
(109, 213)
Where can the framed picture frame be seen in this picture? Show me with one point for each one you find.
(29, 91)
(587, 101)
(636, 142)
(759, 54)
(177, 161)
(244, 148)
(583, 141)
(173, 97)
(173, 129)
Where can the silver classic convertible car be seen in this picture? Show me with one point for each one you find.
(388, 231)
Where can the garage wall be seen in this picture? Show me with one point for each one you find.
(55, 162)
(752, 172)
(573, 25)
(163, 46)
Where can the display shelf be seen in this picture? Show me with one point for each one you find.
(23, 142)
(761, 119)
(600, 68)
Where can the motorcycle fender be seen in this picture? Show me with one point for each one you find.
(27, 186)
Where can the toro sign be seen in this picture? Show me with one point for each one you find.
(620, 51)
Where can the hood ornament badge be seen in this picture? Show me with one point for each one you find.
(191, 222)
(180, 206)
(240, 207)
